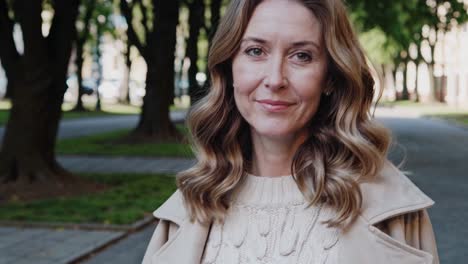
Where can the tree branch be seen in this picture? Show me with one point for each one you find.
(144, 19)
(8, 52)
(28, 13)
(9, 56)
(131, 34)
(62, 34)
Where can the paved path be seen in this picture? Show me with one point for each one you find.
(47, 246)
(124, 164)
(127, 251)
(91, 125)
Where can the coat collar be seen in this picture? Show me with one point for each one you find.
(389, 194)
(173, 209)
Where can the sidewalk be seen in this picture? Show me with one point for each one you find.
(47, 246)
(94, 125)
(124, 164)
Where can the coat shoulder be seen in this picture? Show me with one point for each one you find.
(391, 193)
(173, 209)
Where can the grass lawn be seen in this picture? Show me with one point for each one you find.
(439, 110)
(460, 118)
(129, 198)
(104, 144)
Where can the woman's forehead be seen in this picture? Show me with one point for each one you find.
(281, 19)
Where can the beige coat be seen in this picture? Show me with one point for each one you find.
(393, 227)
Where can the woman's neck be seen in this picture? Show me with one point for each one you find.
(273, 157)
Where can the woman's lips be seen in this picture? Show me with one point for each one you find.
(274, 105)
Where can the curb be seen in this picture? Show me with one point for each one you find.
(88, 255)
(78, 258)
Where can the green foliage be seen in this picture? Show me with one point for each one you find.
(202, 51)
(401, 21)
(378, 47)
(129, 198)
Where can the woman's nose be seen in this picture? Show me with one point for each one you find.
(275, 77)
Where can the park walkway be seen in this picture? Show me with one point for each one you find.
(435, 153)
(93, 125)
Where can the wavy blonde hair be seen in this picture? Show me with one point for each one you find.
(344, 145)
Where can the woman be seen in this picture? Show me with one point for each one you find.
(291, 167)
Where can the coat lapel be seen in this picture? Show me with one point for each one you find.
(390, 194)
(187, 244)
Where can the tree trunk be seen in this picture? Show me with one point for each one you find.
(98, 61)
(124, 96)
(79, 69)
(196, 16)
(394, 75)
(27, 153)
(81, 39)
(419, 59)
(155, 123)
(215, 8)
(405, 93)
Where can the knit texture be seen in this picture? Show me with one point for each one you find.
(269, 222)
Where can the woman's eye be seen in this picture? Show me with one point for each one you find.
(254, 52)
(303, 56)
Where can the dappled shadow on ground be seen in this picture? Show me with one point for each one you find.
(39, 190)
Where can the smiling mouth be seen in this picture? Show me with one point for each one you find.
(274, 105)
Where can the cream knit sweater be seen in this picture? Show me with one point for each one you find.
(269, 222)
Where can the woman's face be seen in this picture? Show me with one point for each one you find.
(280, 68)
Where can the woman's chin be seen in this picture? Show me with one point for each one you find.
(271, 132)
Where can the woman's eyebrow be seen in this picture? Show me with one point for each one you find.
(294, 44)
(305, 43)
(254, 39)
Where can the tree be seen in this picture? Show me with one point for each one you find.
(124, 94)
(215, 15)
(402, 22)
(93, 21)
(443, 15)
(159, 20)
(196, 22)
(83, 34)
(38, 76)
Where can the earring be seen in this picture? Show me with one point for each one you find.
(327, 93)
